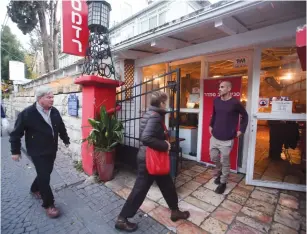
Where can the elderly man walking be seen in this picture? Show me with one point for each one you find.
(41, 124)
(223, 130)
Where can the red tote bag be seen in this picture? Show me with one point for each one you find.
(157, 162)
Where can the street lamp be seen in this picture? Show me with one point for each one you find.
(98, 59)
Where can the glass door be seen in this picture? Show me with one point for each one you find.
(236, 68)
(277, 153)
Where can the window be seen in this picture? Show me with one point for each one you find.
(190, 85)
(144, 26)
(282, 78)
(153, 22)
(162, 18)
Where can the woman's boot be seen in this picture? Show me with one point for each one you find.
(177, 215)
(124, 225)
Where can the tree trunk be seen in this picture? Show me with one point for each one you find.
(47, 50)
(55, 37)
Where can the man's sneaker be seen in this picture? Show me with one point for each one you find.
(217, 180)
(221, 188)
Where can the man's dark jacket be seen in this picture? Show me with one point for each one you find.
(152, 132)
(38, 133)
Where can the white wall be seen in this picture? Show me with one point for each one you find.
(16, 103)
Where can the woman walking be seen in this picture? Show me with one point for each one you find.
(152, 135)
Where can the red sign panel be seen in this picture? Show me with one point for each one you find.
(211, 87)
(75, 31)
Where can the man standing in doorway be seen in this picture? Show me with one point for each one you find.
(42, 124)
(223, 130)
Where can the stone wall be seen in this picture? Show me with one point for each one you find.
(18, 101)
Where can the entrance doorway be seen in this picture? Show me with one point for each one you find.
(233, 67)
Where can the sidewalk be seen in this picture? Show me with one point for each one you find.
(242, 209)
(89, 207)
(86, 207)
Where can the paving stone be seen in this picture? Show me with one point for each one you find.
(199, 168)
(241, 191)
(162, 215)
(278, 228)
(242, 184)
(154, 194)
(215, 226)
(257, 215)
(114, 185)
(224, 215)
(162, 202)
(191, 185)
(124, 193)
(191, 173)
(263, 227)
(268, 190)
(288, 201)
(237, 198)
(240, 228)
(197, 215)
(287, 217)
(265, 197)
(202, 205)
(184, 178)
(183, 192)
(207, 174)
(232, 206)
(208, 196)
(190, 228)
(148, 205)
(179, 183)
(260, 206)
(200, 179)
(235, 177)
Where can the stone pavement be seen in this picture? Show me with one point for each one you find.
(86, 207)
(242, 209)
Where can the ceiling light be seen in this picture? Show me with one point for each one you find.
(286, 77)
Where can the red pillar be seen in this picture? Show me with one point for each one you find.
(96, 92)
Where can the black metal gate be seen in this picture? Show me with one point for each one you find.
(134, 102)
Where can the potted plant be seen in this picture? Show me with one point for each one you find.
(106, 134)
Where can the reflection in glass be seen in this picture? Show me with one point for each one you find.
(280, 153)
(190, 84)
(282, 77)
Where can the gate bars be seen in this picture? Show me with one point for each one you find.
(134, 103)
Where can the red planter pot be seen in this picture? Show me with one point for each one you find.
(105, 165)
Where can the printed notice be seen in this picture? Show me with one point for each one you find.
(282, 106)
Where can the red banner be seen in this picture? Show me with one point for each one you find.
(75, 31)
(301, 45)
(211, 87)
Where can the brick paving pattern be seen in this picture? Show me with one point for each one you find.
(241, 209)
(90, 207)
(86, 207)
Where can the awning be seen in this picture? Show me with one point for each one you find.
(301, 45)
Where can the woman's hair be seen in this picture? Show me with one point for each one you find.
(157, 97)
